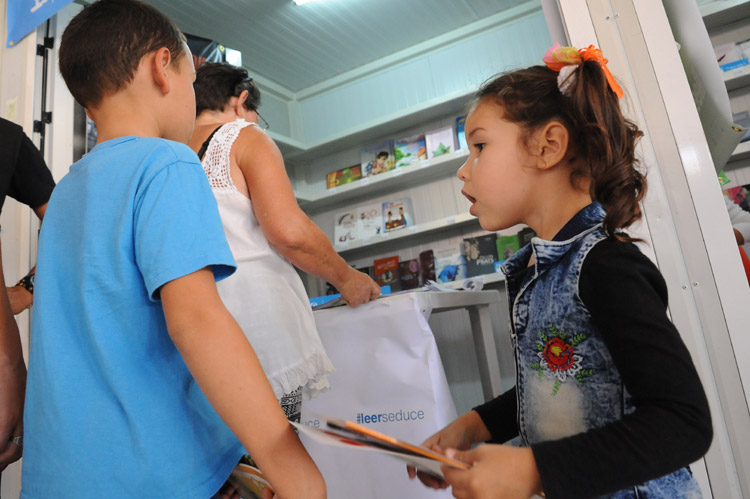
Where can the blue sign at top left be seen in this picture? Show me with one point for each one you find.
(25, 15)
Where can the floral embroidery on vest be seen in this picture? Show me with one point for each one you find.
(557, 357)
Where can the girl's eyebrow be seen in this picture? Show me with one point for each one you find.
(473, 130)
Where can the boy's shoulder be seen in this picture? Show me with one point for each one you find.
(143, 153)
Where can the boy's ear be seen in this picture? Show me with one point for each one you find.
(552, 144)
(159, 64)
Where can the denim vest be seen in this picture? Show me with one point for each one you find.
(566, 381)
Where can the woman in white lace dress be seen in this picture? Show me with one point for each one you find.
(267, 232)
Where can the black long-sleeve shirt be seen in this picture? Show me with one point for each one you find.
(671, 425)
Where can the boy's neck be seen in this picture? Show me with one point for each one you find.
(120, 116)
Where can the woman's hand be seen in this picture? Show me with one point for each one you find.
(358, 288)
(497, 471)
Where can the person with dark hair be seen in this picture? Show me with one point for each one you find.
(268, 233)
(607, 401)
(25, 177)
(141, 384)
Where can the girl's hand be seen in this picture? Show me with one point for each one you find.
(497, 471)
(464, 431)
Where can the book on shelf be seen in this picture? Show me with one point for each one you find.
(426, 267)
(397, 214)
(409, 150)
(343, 176)
(409, 273)
(345, 228)
(352, 435)
(740, 195)
(480, 254)
(460, 133)
(450, 264)
(742, 119)
(385, 272)
(369, 220)
(525, 235)
(377, 158)
(440, 141)
(730, 56)
(249, 480)
(506, 246)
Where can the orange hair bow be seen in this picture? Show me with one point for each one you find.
(558, 57)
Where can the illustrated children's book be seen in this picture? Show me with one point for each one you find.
(343, 176)
(377, 158)
(355, 436)
(450, 264)
(409, 150)
(440, 141)
(460, 133)
(525, 235)
(506, 246)
(426, 267)
(397, 215)
(480, 254)
(409, 274)
(369, 220)
(740, 195)
(385, 272)
(345, 228)
(249, 480)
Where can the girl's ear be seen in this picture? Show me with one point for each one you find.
(159, 64)
(551, 144)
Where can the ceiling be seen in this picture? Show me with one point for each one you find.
(298, 46)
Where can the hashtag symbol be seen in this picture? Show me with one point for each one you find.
(359, 418)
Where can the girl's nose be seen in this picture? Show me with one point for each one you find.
(462, 172)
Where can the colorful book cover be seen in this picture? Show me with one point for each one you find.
(377, 158)
(385, 272)
(409, 273)
(343, 176)
(480, 254)
(740, 195)
(409, 150)
(369, 220)
(397, 214)
(450, 264)
(440, 141)
(506, 246)
(249, 480)
(426, 267)
(460, 133)
(345, 228)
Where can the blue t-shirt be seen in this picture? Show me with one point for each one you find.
(111, 408)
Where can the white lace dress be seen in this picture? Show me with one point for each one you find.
(265, 295)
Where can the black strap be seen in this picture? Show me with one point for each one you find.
(204, 147)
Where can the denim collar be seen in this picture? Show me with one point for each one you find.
(548, 252)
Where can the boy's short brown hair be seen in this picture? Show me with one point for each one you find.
(103, 45)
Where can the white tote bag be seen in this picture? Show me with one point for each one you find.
(388, 377)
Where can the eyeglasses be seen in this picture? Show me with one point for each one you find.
(265, 124)
(261, 118)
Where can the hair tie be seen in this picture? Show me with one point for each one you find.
(560, 59)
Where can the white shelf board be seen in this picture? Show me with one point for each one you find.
(737, 78)
(388, 181)
(722, 12)
(408, 232)
(742, 152)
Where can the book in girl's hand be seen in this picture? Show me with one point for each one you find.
(440, 141)
(343, 176)
(249, 480)
(386, 273)
(480, 254)
(377, 158)
(409, 274)
(409, 150)
(369, 220)
(460, 133)
(345, 228)
(397, 215)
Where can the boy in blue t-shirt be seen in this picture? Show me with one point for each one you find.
(140, 382)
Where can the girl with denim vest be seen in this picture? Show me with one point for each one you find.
(607, 401)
